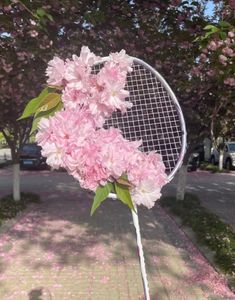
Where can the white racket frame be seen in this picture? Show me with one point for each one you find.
(170, 176)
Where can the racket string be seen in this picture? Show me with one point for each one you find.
(153, 118)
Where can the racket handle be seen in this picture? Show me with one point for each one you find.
(140, 249)
(141, 253)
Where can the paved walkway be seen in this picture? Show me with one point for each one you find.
(56, 251)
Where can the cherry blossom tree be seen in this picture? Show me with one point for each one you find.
(216, 67)
(21, 78)
(159, 32)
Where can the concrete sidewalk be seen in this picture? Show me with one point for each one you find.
(56, 251)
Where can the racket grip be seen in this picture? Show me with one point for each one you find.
(140, 248)
(141, 254)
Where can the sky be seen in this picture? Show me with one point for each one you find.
(209, 8)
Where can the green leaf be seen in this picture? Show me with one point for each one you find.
(124, 195)
(197, 39)
(45, 91)
(32, 106)
(225, 24)
(222, 35)
(51, 100)
(101, 194)
(40, 12)
(49, 17)
(44, 114)
(211, 28)
(203, 43)
(29, 109)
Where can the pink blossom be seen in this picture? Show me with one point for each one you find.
(223, 59)
(55, 71)
(102, 93)
(44, 131)
(53, 154)
(124, 61)
(61, 134)
(89, 169)
(228, 51)
(105, 280)
(103, 158)
(146, 166)
(205, 51)
(230, 81)
(220, 43)
(212, 46)
(113, 97)
(76, 73)
(146, 193)
(113, 94)
(228, 42)
(74, 138)
(231, 34)
(79, 68)
(116, 151)
(87, 57)
(203, 57)
(33, 33)
(73, 98)
(211, 73)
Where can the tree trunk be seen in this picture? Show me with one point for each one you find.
(14, 144)
(16, 174)
(221, 158)
(181, 184)
(16, 181)
(182, 173)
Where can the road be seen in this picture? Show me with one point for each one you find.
(216, 191)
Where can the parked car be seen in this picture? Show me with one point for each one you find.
(31, 157)
(228, 158)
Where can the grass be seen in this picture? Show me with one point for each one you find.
(212, 168)
(209, 230)
(9, 208)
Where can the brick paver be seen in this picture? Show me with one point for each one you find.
(56, 251)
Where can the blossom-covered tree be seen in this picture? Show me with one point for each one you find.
(216, 67)
(21, 78)
(159, 32)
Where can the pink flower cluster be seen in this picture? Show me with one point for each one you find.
(218, 50)
(74, 138)
(102, 93)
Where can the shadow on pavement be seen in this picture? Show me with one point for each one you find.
(57, 244)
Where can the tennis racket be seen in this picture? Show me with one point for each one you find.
(157, 119)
